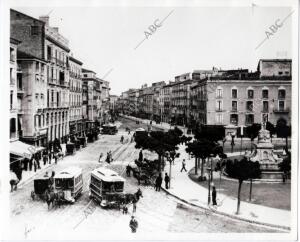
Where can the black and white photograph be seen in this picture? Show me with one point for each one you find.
(139, 120)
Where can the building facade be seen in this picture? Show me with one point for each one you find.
(15, 116)
(48, 49)
(76, 120)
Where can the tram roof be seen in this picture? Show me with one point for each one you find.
(107, 175)
(69, 172)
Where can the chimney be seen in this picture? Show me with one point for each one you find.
(45, 19)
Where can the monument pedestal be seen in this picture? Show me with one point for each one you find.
(264, 154)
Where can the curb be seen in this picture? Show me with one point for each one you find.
(228, 215)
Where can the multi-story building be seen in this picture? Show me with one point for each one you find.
(113, 100)
(180, 99)
(165, 102)
(91, 98)
(47, 51)
(15, 117)
(157, 86)
(133, 95)
(32, 84)
(104, 115)
(76, 121)
(241, 98)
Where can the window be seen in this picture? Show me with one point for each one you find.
(249, 106)
(12, 80)
(49, 53)
(219, 118)
(265, 106)
(280, 72)
(52, 96)
(37, 67)
(11, 99)
(85, 75)
(12, 54)
(39, 121)
(37, 99)
(281, 93)
(287, 72)
(281, 105)
(42, 99)
(234, 93)
(265, 93)
(250, 93)
(234, 106)
(234, 119)
(34, 30)
(219, 106)
(219, 93)
(249, 119)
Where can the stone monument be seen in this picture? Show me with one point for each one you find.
(264, 154)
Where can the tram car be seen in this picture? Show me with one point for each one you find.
(70, 182)
(107, 187)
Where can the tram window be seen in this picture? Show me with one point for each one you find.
(119, 185)
(70, 183)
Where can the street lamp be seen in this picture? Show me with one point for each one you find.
(232, 141)
(210, 175)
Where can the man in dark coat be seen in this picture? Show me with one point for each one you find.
(158, 182)
(128, 169)
(133, 224)
(167, 181)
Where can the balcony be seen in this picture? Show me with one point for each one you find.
(234, 110)
(281, 110)
(219, 110)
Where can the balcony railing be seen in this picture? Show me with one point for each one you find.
(281, 110)
(219, 110)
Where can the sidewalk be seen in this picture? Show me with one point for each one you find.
(183, 188)
(162, 125)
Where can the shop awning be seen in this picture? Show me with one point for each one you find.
(15, 158)
(21, 149)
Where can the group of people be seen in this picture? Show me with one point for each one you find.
(159, 181)
(108, 157)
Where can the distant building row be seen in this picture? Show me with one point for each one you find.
(217, 97)
(51, 95)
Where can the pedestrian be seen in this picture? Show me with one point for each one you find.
(183, 166)
(30, 163)
(134, 207)
(141, 155)
(46, 174)
(122, 139)
(167, 181)
(13, 181)
(45, 158)
(35, 165)
(214, 196)
(133, 224)
(49, 156)
(125, 209)
(128, 169)
(55, 158)
(38, 158)
(158, 182)
(100, 157)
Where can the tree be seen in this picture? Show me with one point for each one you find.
(283, 131)
(220, 166)
(159, 142)
(202, 149)
(212, 133)
(242, 170)
(271, 128)
(252, 132)
(171, 156)
(285, 166)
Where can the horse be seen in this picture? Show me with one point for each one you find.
(54, 198)
(50, 198)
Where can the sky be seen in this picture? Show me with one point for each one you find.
(190, 38)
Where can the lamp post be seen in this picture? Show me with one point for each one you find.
(232, 141)
(210, 175)
(242, 134)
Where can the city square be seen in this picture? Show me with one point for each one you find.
(203, 151)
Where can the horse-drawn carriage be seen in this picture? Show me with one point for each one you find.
(107, 188)
(109, 129)
(66, 186)
(41, 185)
